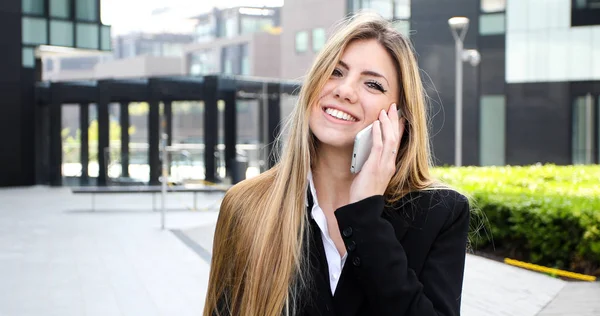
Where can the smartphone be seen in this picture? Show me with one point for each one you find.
(363, 142)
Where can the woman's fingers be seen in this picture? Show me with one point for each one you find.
(395, 119)
(377, 140)
(390, 135)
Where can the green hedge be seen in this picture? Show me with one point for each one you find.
(548, 214)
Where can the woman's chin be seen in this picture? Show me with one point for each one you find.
(336, 142)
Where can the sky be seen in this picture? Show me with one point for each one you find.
(126, 16)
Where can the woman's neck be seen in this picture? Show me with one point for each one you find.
(332, 176)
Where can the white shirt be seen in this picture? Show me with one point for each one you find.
(335, 263)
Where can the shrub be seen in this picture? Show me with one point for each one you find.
(549, 215)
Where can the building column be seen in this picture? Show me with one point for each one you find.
(230, 123)
(168, 112)
(55, 166)
(103, 142)
(153, 141)
(124, 121)
(84, 156)
(273, 121)
(211, 127)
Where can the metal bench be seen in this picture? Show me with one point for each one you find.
(92, 190)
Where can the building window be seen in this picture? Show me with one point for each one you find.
(35, 31)
(301, 42)
(389, 9)
(231, 61)
(60, 9)
(583, 120)
(28, 57)
(205, 31)
(48, 64)
(79, 63)
(87, 35)
(384, 7)
(585, 12)
(401, 9)
(318, 39)
(231, 27)
(245, 60)
(105, 38)
(35, 7)
(252, 24)
(403, 27)
(61, 33)
(488, 6)
(492, 130)
(492, 24)
(86, 10)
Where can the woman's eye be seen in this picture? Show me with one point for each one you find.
(336, 73)
(375, 85)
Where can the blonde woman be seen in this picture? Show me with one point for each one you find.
(308, 237)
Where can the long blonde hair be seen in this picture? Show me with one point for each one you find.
(259, 259)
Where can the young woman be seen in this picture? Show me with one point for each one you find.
(308, 237)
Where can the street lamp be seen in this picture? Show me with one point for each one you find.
(459, 27)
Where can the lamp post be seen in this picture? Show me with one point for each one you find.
(459, 27)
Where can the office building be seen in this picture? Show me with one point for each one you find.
(26, 25)
(535, 96)
(236, 41)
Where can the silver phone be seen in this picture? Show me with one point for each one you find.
(363, 142)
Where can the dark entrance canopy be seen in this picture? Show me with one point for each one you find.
(51, 96)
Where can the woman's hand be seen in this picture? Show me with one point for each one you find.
(379, 168)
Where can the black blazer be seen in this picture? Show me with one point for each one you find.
(403, 259)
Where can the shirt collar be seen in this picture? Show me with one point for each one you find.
(311, 190)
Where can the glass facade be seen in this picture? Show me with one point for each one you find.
(402, 26)
(52, 22)
(252, 24)
(246, 68)
(61, 33)
(301, 42)
(492, 130)
(401, 9)
(60, 9)
(35, 31)
(205, 32)
(86, 10)
(105, 41)
(491, 24)
(202, 62)
(583, 121)
(231, 27)
(389, 9)
(35, 7)
(541, 45)
(28, 57)
(87, 35)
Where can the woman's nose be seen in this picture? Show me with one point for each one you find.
(346, 90)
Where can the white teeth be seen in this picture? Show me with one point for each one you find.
(340, 115)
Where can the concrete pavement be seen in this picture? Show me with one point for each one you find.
(60, 258)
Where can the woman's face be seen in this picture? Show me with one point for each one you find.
(363, 83)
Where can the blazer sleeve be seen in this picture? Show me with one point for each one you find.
(380, 263)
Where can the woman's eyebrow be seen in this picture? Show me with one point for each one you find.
(365, 72)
